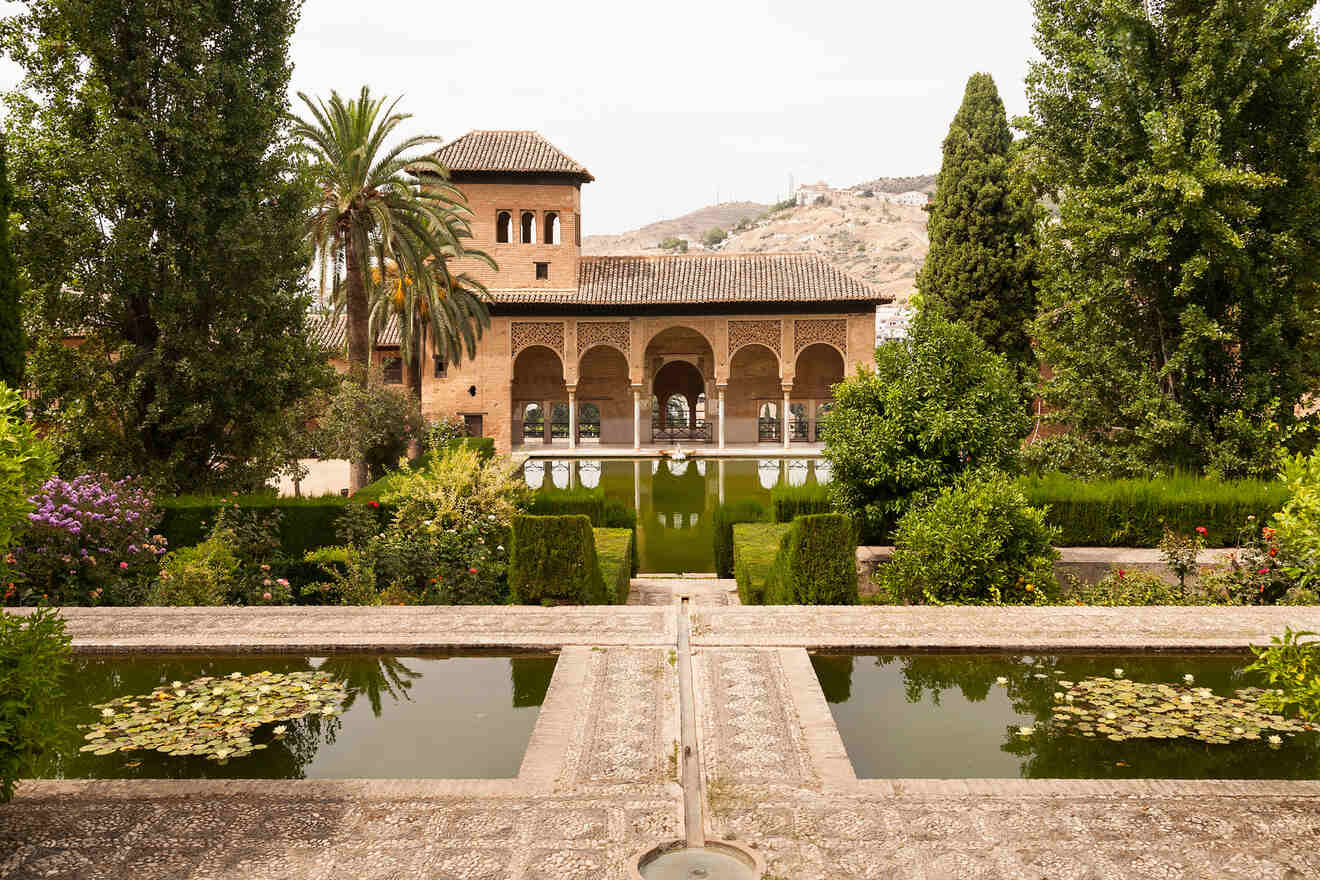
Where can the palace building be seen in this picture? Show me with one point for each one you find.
(714, 349)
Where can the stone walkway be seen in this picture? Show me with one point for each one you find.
(660, 590)
(598, 782)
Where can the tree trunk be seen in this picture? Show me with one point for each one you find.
(412, 376)
(359, 346)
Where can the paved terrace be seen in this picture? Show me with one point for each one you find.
(598, 783)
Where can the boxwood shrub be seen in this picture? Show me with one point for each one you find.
(554, 561)
(790, 502)
(816, 563)
(754, 548)
(614, 551)
(306, 523)
(604, 513)
(1133, 513)
(748, 510)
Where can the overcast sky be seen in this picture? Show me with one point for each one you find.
(670, 103)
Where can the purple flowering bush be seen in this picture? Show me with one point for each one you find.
(89, 541)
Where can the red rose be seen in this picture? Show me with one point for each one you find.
(373, 504)
(1121, 572)
(1200, 530)
(472, 571)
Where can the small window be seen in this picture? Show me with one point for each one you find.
(551, 228)
(393, 371)
(441, 368)
(542, 271)
(528, 228)
(503, 227)
(577, 230)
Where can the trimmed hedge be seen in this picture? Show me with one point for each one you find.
(306, 524)
(1133, 513)
(790, 502)
(816, 563)
(553, 561)
(592, 503)
(485, 446)
(755, 546)
(614, 551)
(725, 517)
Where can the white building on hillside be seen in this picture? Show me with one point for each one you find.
(891, 322)
(912, 197)
(806, 193)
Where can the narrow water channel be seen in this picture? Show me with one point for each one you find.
(674, 500)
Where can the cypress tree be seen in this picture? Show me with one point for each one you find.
(981, 267)
(11, 320)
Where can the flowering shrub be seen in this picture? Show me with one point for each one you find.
(1180, 552)
(90, 541)
(254, 536)
(1259, 571)
(1298, 523)
(1291, 665)
(204, 574)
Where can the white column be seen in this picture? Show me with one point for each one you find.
(721, 442)
(786, 434)
(572, 418)
(637, 419)
(721, 464)
(637, 487)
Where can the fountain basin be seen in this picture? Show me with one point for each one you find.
(717, 860)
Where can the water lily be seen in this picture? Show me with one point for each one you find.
(180, 693)
(1185, 698)
(1189, 678)
(1026, 731)
(1276, 740)
(1058, 695)
(107, 713)
(1118, 672)
(1001, 680)
(176, 684)
(279, 729)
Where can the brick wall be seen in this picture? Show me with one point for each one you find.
(517, 261)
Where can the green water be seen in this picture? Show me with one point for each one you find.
(942, 716)
(432, 717)
(674, 500)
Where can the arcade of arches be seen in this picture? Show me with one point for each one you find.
(691, 383)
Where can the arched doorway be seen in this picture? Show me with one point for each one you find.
(753, 400)
(604, 396)
(539, 394)
(818, 369)
(679, 363)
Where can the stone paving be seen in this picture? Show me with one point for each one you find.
(598, 781)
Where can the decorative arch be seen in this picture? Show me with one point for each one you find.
(524, 334)
(763, 332)
(818, 367)
(677, 325)
(612, 333)
(821, 331)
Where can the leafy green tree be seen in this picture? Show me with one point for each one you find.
(12, 347)
(981, 269)
(376, 214)
(371, 424)
(714, 236)
(25, 463)
(939, 405)
(162, 223)
(34, 652)
(1179, 301)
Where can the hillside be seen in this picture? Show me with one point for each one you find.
(690, 226)
(921, 183)
(879, 242)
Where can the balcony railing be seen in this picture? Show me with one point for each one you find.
(699, 433)
(767, 430)
(798, 430)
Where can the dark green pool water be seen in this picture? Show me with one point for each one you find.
(674, 500)
(432, 717)
(944, 716)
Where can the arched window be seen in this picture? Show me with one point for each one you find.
(551, 228)
(503, 227)
(528, 228)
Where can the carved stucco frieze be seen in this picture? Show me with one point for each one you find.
(529, 333)
(611, 333)
(809, 331)
(765, 333)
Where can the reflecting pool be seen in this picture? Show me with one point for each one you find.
(949, 716)
(430, 717)
(674, 500)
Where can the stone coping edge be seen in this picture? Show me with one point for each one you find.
(396, 789)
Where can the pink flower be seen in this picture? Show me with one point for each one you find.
(266, 596)
(283, 582)
(1263, 571)
(123, 565)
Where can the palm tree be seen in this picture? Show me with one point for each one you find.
(450, 313)
(373, 208)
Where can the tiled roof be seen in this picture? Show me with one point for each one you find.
(701, 278)
(521, 151)
(332, 332)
